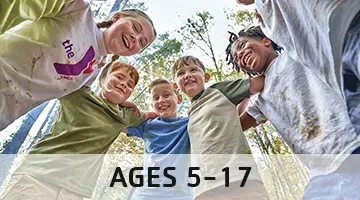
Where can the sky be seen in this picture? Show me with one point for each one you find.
(170, 15)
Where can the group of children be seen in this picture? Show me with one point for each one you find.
(298, 90)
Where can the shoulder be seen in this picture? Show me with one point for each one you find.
(81, 92)
(74, 6)
(182, 119)
(285, 60)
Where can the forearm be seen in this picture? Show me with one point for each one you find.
(13, 12)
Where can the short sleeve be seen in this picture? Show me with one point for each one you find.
(236, 91)
(254, 111)
(137, 131)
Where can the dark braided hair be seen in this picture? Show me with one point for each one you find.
(253, 32)
(104, 24)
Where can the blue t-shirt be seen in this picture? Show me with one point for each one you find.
(163, 135)
(163, 138)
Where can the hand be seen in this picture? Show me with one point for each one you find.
(257, 84)
(131, 105)
(150, 115)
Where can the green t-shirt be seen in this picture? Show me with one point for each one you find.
(72, 154)
(86, 124)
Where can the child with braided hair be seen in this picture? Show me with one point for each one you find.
(51, 48)
(307, 112)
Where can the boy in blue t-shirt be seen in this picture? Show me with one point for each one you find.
(166, 134)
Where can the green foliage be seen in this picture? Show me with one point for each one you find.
(196, 32)
(241, 19)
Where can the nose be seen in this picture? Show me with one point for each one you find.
(161, 99)
(133, 39)
(123, 84)
(188, 75)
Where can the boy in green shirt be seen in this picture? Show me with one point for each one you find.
(88, 123)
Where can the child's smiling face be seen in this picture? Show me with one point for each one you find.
(164, 100)
(191, 79)
(252, 54)
(121, 84)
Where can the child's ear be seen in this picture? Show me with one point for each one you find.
(207, 77)
(175, 86)
(266, 41)
(179, 98)
(116, 17)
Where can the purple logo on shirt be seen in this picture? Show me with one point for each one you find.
(84, 65)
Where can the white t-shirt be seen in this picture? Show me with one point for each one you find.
(312, 32)
(47, 58)
(308, 113)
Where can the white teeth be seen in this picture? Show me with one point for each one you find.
(163, 107)
(247, 59)
(125, 42)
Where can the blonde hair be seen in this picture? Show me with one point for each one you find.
(129, 13)
(185, 60)
(112, 66)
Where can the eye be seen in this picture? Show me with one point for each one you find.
(120, 76)
(136, 29)
(180, 74)
(242, 45)
(129, 85)
(167, 95)
(142, 43)
(193, 70)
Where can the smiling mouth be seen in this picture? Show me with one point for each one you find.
(162, 108)
(246, 59)
(125, 41)
(189, 82)
(120, 89)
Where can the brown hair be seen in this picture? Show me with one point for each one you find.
(161, 81)
(186, 60)
(112, 66)
(129, 13)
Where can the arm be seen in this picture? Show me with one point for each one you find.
(251, 115)
(257, 84)
(247, 121)
(136, 111)
(131, 105)
(150, 115)
(242, 106)
(13, 12)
